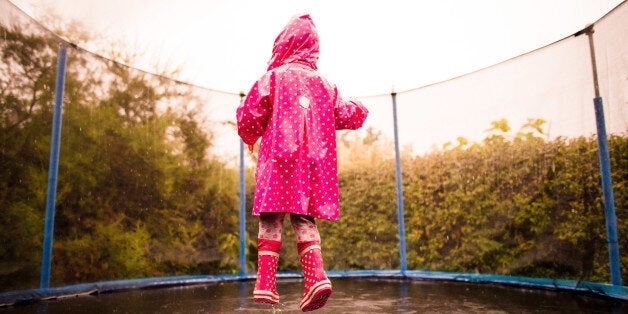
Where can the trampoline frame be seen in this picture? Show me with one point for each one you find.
(574, 286)
(615, 290)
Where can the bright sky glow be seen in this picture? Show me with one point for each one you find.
(367, 47)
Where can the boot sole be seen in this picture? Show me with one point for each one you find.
(263, 296)
(316, 297)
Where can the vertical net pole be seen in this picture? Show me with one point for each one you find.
(605, 169)
(607, 191)
(242, 206)
(400, 215)
(53, 168)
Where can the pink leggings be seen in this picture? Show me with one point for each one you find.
(270, 227)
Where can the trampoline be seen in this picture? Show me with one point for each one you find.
(510, 220)
(380, 292)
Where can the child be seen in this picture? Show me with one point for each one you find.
(296, 112)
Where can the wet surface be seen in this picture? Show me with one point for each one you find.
(351, 295)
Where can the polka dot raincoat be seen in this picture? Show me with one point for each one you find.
(296, 112)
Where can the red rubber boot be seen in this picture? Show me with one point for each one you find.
(265, 285)
(317, 286)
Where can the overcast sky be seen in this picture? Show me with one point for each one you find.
(367, 47)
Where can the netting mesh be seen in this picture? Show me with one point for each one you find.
(147, 173)
(500, 168)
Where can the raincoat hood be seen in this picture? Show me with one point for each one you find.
(297, 43)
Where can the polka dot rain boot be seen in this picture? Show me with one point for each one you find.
(317, 286)
(265, 285)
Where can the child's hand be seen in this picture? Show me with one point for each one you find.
(251, 146)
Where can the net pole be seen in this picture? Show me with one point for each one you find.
(605, 170)
(53, 168)
(242, 219)
(400, 214)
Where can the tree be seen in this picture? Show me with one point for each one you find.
(138, 194)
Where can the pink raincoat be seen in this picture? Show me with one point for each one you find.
(296, 112)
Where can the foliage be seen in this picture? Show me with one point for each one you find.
(512, 204)
(137, 193)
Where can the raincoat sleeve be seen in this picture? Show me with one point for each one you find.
(349, 114)
(253, 113)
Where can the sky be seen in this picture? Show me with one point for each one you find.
(367, 47)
